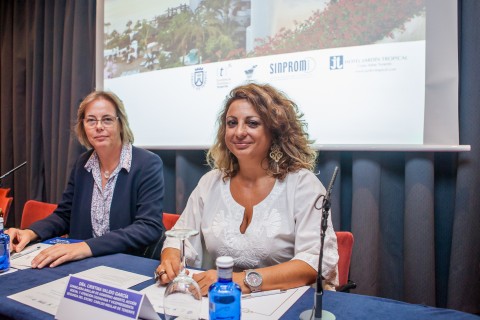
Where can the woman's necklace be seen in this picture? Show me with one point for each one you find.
(106, 174)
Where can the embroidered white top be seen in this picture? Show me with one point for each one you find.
(284, 226)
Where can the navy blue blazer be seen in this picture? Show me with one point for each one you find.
(135, 213)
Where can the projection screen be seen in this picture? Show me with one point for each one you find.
(366, 74)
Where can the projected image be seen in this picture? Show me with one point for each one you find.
(363, 72)
(149, 35)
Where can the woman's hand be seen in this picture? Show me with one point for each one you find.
(20, 238)
(61, 253)
(169, 267)
(205, 279)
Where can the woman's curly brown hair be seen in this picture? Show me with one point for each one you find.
(284, 122)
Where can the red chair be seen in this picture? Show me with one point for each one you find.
(5, 203)
(169, 220)
(4, 192)
(153, 251)
(345, 246)
(35, 210)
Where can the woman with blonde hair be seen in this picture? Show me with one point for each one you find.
(114, 197)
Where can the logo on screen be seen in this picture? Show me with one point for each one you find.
(224, 75)
(199, 78)
(336, 62)
(299, 66)
(249, 72)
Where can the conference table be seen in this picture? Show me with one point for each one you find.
(342, 305)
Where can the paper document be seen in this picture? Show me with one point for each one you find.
(47, 297)
(23, 259)
(113, 277)
(267, 306)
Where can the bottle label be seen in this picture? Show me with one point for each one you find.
(224, 273)
(225, 301)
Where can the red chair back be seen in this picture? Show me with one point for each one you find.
(35, 210)
(345, 245)
(5, 203)
(4, 192)
(169, 220)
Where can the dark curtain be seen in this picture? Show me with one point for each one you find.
(415, 215)
(47, 52)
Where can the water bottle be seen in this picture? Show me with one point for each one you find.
(4, 247)
(224, 296)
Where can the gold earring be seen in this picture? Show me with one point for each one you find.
(276, 155)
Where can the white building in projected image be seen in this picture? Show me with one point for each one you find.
(268, 17)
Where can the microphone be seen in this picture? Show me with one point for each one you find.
(317, 313)
(13, 170)
(330, 185)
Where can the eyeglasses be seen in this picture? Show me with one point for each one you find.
(105, 121)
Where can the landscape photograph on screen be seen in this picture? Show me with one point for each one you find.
(143, 36)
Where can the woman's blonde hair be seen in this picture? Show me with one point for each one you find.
(125, 132)
(281, 118)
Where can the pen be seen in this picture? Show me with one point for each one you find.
(262, 293)
(23, 253)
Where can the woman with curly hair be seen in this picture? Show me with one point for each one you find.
(257, 204)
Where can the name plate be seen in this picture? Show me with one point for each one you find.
(85, 299)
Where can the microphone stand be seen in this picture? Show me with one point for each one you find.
(14, 169)
(317, 313)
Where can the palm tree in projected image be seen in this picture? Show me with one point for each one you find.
(208, 30)
(230, 35)
(192, 31)
(145, 34)
(129, 30)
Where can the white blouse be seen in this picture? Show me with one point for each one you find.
(284, 226)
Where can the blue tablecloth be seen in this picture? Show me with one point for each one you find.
(342, 305)
(355, 306)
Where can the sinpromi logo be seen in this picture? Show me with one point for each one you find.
(292, 66)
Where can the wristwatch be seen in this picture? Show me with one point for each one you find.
(253, 280)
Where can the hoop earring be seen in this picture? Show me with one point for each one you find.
(276, 155)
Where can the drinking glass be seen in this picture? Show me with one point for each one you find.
(183, 298)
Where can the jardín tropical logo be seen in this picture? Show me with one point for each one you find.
(336, 62)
